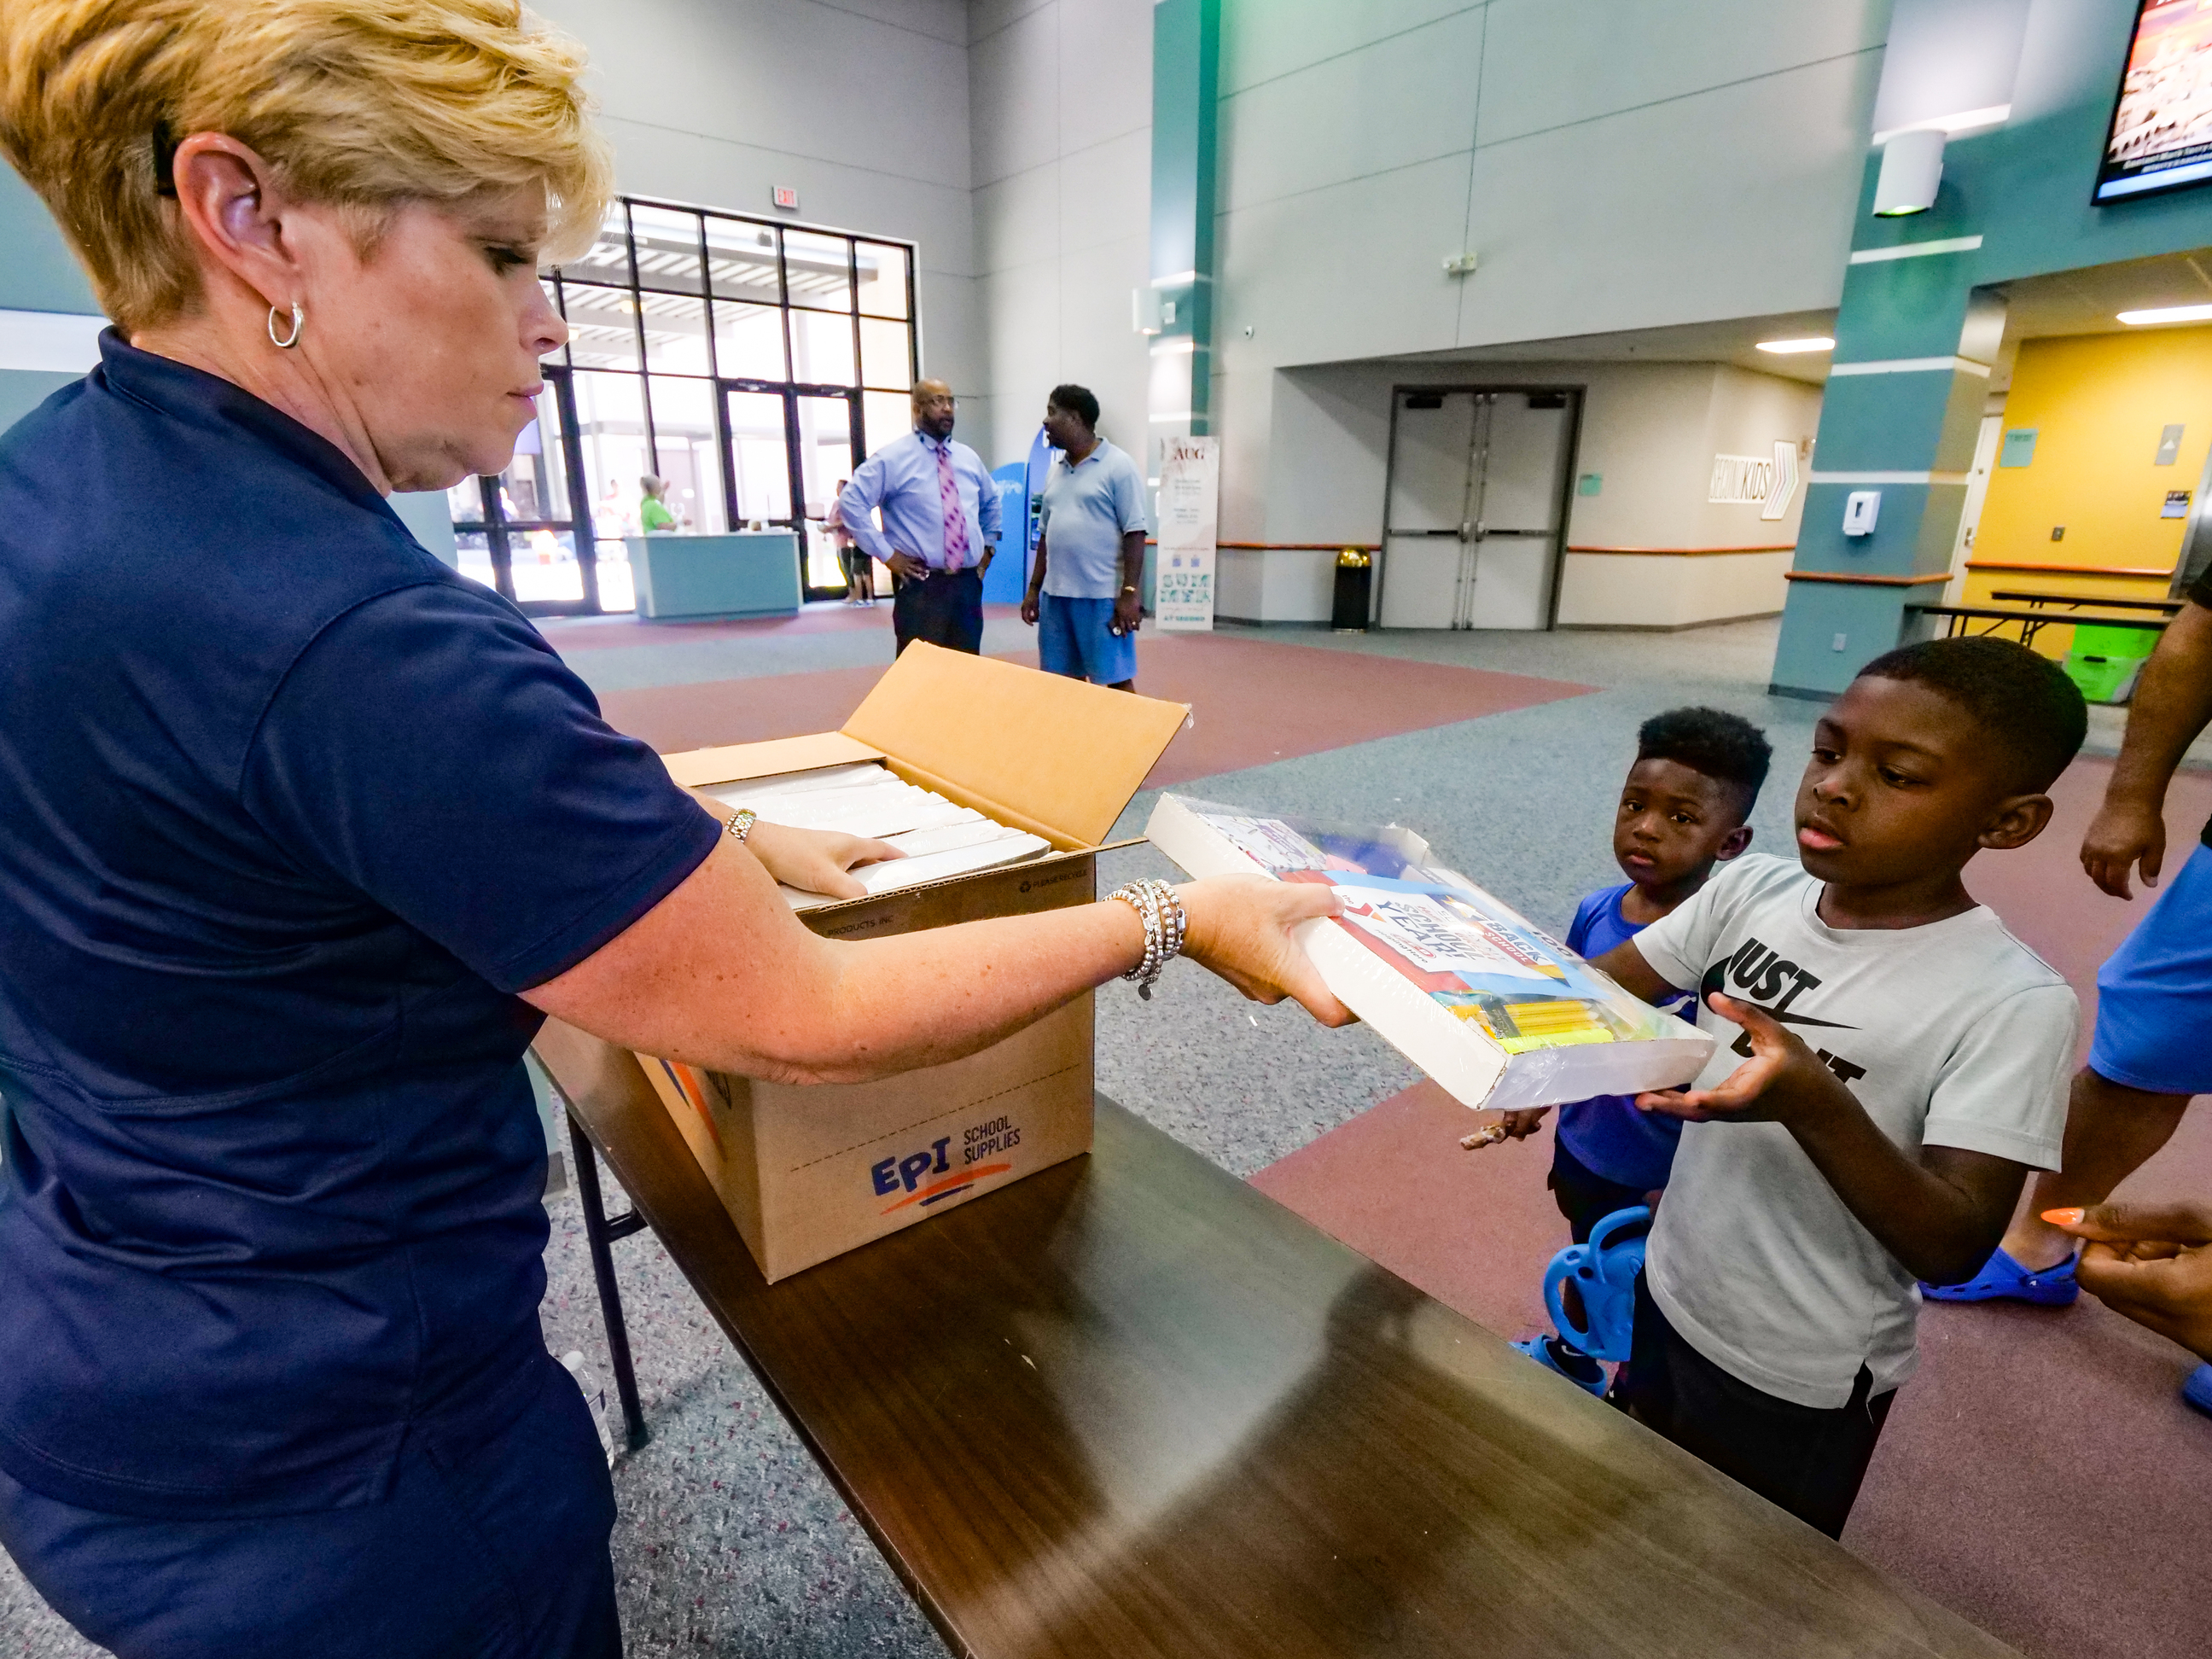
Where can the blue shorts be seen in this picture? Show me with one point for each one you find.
(489, 1548)
(2153, 994)
(1073, 639)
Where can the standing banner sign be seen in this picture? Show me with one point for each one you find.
(1190, 495)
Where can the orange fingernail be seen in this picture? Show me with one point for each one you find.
(2064, 1218)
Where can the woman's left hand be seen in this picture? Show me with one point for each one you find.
(816, 861)
(2152, 1262)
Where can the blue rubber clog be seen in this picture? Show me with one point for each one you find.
(2002, 1278)
(1546, 1351)
(2196, 1389)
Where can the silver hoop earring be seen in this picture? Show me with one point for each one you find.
(299, 319)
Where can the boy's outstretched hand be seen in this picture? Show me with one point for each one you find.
(1516, 1124)
(1783, 1078)
(2152, 1262)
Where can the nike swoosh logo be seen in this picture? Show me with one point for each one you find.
(1715, 978)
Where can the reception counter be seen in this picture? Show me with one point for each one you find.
(715, 577)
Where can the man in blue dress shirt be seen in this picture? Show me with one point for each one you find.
(940, 518)
(1085, 588)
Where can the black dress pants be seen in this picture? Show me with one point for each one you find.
(944, 609)
(1805, 1459)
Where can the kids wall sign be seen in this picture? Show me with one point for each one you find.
(1189, 505)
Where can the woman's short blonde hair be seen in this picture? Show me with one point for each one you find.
(364, 104)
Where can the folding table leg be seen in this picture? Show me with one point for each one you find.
(600, 1234)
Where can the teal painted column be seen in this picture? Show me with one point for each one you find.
(36, 273)
(1186, 81)
(1914, 345)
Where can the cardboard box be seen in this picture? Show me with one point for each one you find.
(808, 1173)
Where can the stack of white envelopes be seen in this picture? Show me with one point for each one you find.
(939, 837)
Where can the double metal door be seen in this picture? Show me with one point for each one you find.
(1476, 508)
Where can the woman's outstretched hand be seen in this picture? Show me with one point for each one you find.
(816, 861)
(1240, 928)
(2152, 1262)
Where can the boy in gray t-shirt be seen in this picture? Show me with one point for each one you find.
(1901, 1065)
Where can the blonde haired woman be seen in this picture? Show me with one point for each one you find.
(301, 833)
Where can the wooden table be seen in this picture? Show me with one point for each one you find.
(2035, 599)
(1131, 1407)
(2032, 622)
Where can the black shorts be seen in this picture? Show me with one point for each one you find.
(1807, 1460)
(944, 609)
(1584, 1196)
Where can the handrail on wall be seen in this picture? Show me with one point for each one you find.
(2071, 570)
(1290, 547)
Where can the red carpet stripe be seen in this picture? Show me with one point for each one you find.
(1254, 700)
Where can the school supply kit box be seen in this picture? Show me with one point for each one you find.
(1001, 783)
(1499, 1013)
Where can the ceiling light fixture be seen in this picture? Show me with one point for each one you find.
(1912, 172)
(2168, 314)
(1811, 342)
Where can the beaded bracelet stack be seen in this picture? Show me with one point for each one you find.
(1161, 911)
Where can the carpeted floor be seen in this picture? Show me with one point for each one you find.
(2038, 1475)
(1251, 700)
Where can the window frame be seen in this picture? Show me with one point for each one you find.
(561, 369)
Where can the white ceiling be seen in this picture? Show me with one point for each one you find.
(2086, 301)
(1734, 341)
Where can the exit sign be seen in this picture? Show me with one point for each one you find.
(785, 196)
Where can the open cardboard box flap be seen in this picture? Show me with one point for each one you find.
(1037, 751)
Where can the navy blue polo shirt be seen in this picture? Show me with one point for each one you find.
(289, 811)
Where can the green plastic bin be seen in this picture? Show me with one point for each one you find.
(2105, 661)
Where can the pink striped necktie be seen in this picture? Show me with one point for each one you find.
(955, 516)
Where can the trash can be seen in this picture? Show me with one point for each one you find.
(1355, 582)
(2105, 662)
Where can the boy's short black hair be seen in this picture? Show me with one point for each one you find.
(1076, 400)
(2025, 702)
(1712, 741)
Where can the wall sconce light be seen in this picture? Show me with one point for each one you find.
(1912, 168)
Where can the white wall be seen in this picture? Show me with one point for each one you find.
(1649, 430)
(1615, 164)
(1062, 126)
(862, 105)
(1308, 463)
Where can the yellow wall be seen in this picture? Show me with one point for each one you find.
(2097, 401)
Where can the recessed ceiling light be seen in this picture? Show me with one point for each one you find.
(2169, 314)
(1814, 343)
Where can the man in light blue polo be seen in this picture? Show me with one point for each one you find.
(1084, 595)
(941, 508)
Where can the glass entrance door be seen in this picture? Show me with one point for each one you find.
(745, 364)
(1476, 508)
(823, 456)
(520, 532)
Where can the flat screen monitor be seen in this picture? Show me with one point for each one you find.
(2161, 133)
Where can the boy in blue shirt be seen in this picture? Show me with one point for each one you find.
(1697, 775)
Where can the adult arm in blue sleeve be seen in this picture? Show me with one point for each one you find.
(987, 504)
(1129, 498)
(856, 507)
(431, 751)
